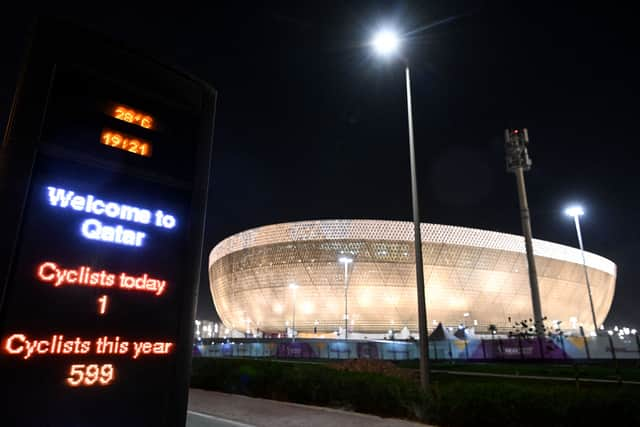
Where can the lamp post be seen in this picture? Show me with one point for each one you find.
(346, 261)
(576, 212)
(293, 287)
(464, 319)
(387, 43)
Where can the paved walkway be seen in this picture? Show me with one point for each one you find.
(267, 413)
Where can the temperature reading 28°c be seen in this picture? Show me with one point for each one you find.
(129, 115)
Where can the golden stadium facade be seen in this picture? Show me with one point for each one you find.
(471, 276)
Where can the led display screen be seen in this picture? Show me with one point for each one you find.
(100, 282)
(93, 316)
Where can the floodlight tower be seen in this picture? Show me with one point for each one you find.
(576, 212)
(518, 161)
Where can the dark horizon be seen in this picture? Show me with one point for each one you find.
(310, 125)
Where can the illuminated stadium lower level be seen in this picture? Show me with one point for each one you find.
(475, 277)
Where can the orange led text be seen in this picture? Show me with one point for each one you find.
(129, 115)
(51, 272)
(147, 347)
(125, 142)
(102, 304)
(88, 375)
(21, 345)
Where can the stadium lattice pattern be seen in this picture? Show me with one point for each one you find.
(482, 273)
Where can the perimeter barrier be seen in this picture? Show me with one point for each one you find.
(555, 348)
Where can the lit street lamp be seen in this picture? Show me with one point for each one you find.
(293, 288)
(346, 261)
(576, 212)
(387, 43)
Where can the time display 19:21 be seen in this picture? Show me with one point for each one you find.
(126, 142)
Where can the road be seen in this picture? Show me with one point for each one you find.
(215, 409)
(198, 419)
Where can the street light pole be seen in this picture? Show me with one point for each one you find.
(422, 306)
(346, 261)
(576, 212)
(293, 287)
(387, 43)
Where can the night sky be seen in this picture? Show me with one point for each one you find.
(311, 125)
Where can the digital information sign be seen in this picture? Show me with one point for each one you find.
(105, 167)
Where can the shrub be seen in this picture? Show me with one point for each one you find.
(383, 367)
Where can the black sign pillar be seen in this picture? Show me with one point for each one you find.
(104, 174)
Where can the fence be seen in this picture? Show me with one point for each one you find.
(517, 348)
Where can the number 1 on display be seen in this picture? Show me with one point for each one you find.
(102, 304)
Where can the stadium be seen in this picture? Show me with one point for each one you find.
(473, 277)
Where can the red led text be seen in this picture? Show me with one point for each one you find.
(50, 272)
(88, 375)
(21, 345)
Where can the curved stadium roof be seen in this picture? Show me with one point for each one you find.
(483, 273)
